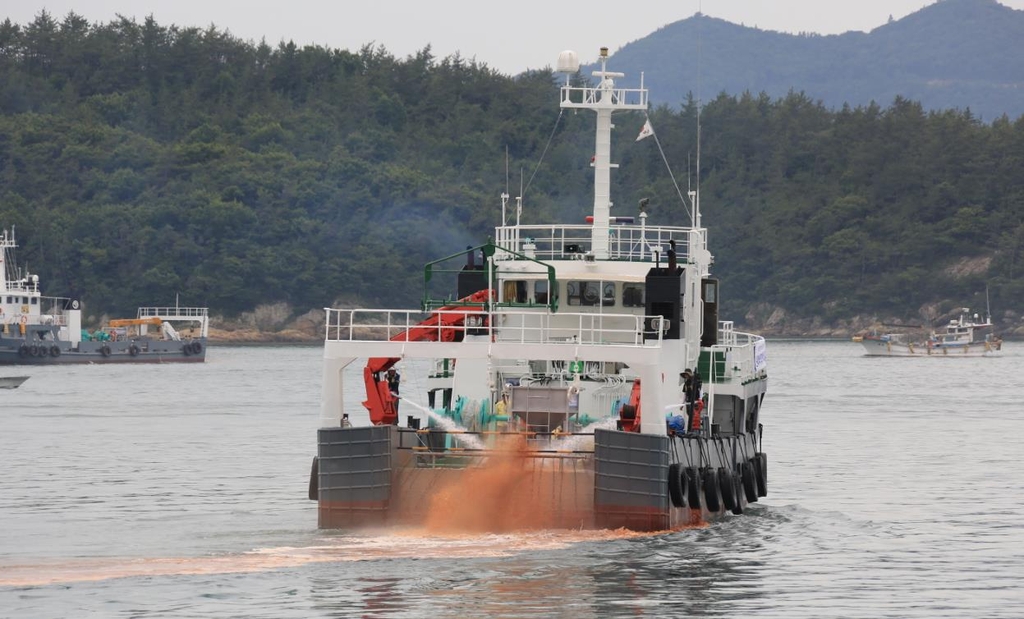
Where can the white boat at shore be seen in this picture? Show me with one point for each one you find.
(964, 336)
(41, 330)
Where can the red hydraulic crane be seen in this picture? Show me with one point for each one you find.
(445, 324)
(629, 414)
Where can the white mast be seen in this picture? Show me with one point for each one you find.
(604, 100)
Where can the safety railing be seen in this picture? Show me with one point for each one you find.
(589, 96)
(432, 444)
(565, 242)
(504, 326)
(737, 356)
(174, 313)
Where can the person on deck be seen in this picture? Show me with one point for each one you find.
(394, 379)
(688, 396)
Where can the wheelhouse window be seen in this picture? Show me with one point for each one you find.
(35, 301)
(710, 292)
(572, 292)
(540, 291)
(632, 295)
(608, 294)
(590, 293)
(515, 291)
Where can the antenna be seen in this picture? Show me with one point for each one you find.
(988, 311)
(700, 104)
(504, 196)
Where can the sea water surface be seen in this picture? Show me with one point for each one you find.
(895, 490)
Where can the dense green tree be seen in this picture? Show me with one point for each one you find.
(141, 161)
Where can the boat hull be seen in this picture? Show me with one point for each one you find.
(389, 476)
(12, 382)
(879, 347)
(18, 351)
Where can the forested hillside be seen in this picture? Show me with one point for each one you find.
(139, 161)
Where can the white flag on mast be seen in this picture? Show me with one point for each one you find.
(646, 131)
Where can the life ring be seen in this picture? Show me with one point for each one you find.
(133, 350)
(749, 482)
(675, 485)
(711, 490)
(24, 319)
(761, 468)
(727, 486)
(23, 351)
(692, 487)
(105, 350)
(197, 348)
(54, 351)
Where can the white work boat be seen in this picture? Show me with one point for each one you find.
(559, 364)
(964, 336)
(41, 330)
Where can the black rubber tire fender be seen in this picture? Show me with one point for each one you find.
(133, 350)
(24, 351)
(197, 348)
(105, 350)
(187, 348)
(676, 491)
(749, 483)
(761, 469)
(33, 350)
(727, 487)
(692, 487)
(712, 498)
(314, 480)
(737, 486)
(54, 351)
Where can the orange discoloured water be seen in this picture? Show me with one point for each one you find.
(406, 543)
(511, 492)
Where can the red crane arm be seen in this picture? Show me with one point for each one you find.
(629, 414)
(444, 324)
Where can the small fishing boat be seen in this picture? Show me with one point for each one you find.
(964, 336)
(41, 330)
(12, 382)
(573, 376)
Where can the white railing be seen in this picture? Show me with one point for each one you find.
(589, 96)
(174, 313)
(740, 351)
(21, 286)
(564, 242)
(374, 325)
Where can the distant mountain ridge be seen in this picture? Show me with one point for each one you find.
(963, 54)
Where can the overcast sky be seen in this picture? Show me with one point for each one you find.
(510, 37)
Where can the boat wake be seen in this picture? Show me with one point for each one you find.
(390, 544)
